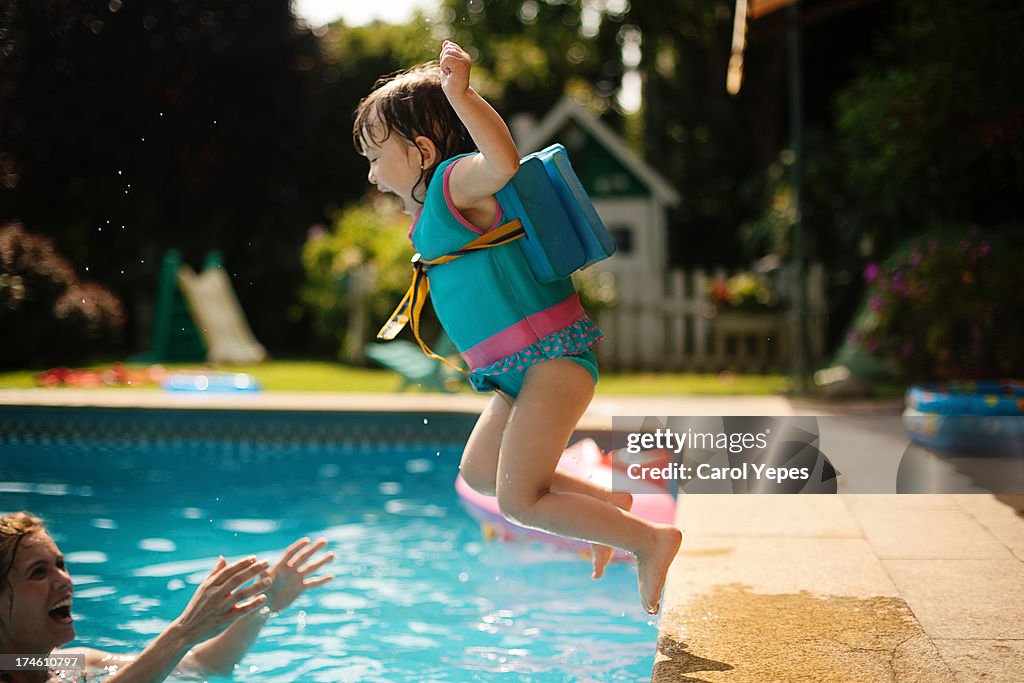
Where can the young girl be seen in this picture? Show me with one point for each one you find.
(530, 342)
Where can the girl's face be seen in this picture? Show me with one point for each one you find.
(35, 609)
(395, 166)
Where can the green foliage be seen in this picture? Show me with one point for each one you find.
(596, 289)
(47, 314)
(529, 51)
(947, 306)
(933, 131)
(364, 257)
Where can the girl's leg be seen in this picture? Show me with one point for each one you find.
(479, 467)
(555, 393)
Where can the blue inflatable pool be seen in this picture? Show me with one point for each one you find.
(967, 416)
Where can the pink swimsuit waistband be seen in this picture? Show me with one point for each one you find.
(521, 334)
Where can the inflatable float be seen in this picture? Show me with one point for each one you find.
(967, 416)
(585, 460)
(210, 382)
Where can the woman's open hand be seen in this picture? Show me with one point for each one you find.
(223, 598)
(293, 573)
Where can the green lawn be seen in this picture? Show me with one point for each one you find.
(299, 375)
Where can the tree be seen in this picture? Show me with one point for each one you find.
(127, 128)
(933, 128)
(531, 52)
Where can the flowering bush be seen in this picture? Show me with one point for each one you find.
(366, 247)
(745, 291)
(46, 313)
(946, 308)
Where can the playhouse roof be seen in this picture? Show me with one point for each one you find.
(568, 110)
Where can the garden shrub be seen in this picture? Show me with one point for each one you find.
(947, 305)
(368, 242)
(46, 313)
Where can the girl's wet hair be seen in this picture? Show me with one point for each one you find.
(410, 104)
(14, 528)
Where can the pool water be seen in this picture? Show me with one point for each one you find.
(418, 594)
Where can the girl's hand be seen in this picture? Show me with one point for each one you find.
(290, 572)
(221, 600)
(455, 66)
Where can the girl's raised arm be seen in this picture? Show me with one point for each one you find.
(475, 180)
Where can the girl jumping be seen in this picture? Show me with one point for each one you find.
(432, 141)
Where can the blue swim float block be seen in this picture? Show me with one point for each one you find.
(210, 382)
(982, 416)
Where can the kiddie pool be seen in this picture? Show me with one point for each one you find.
(967, 416)
(143, 501)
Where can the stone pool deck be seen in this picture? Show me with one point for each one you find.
(779, 588)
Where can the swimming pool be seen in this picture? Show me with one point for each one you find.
(142, 514)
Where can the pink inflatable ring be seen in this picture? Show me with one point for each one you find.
(584, 460)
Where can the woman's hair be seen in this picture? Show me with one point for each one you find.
(410, 104)
(13, 529)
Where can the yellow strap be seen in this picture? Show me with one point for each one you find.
(411, 306)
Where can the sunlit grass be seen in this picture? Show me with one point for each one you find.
(278, 375)
(312, 375)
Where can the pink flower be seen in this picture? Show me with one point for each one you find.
(871, 271)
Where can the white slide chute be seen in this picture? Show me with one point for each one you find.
(219, 316)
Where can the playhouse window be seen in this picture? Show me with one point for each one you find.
(623, 236)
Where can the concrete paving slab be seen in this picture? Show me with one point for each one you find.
(773, 588)
(993, 661)
(735, 635)
(963, 599)
(609, 406)
(986, 507)
(1000, 515)
(900, 533)
(923, 501)
(259, 400)
(818, 566)
(823, 516)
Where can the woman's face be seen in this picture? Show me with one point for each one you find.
(35, 604)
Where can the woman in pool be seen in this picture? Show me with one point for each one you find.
(216, 629)
(432, 141)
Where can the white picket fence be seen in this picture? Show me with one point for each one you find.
(663, 322)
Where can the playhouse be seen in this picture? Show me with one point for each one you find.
(632, 198)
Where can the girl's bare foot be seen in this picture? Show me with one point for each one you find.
(652, 566)
(602, 554)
